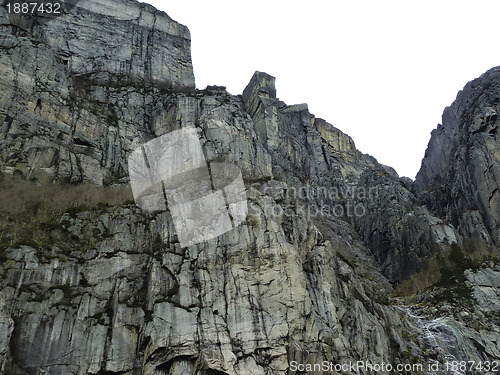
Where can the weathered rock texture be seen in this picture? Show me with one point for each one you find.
(460, 174)
(305, 277)
(77, 91)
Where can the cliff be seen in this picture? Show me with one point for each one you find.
(92, 284)
(460, 172)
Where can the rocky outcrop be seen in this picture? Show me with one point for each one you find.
(78, 91)
(305, 278)
(269, 292)
(62, 123)
(460, 172)
(486, 287)
(322, 163)
(451, 339)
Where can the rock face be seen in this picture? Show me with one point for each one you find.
(460, 174)
(305, 278)
(68, 82)
(486, 287)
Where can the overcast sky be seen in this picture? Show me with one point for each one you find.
(381, 71)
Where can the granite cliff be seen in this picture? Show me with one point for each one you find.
(315, 273)
(459, 178)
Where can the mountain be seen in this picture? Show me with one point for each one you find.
(460, 172)
(338, 261)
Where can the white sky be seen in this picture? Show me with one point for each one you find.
(381, 71)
